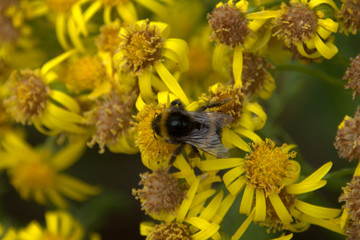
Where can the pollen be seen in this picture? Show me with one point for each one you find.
(297, 23)
(85, 73)
(169, 231)
(349, 16)
(353, 76)
(351, 197)
(112, 118)
(60, 6)
(267, 166)
(34, 175)
(161, 192)
(272, 221)
(229, 25)
(108, 40)
(347, 140)
(255, 74)
(141, 47)
(29, 96)
(234, 106)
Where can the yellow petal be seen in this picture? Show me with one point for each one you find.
(327, 50)
(219, 58)
(247, 200)
(212, 207)
(145, 86)
(155, 7)
(68, 155)
(171, 82)
(55, 61)
(92, 10)
(329, 24)
(286, 237)
(61, 31)
(207, 230)
(127, 12)
(263, 14)
(65, 100)
(280, 209)
(240, 231)
(225, 206)
(74, 35)
(186, 203)
(260, 205)
(318, 174)
(306, 187)
(146, 228)
(314, 3)
(237, 66)
(317, 211)
(230, 137)
(52, 222)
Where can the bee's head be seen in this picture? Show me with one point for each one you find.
(155, 124)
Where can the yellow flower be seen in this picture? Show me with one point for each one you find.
(304, 26)
(29, 100)
(155, 152)
(59, 225)
(143, 47)
(126, 9)
(36, 174)
(267, 177)
(232, 28)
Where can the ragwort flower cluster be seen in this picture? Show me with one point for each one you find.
(120, 80)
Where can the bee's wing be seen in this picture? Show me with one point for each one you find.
(207, 137)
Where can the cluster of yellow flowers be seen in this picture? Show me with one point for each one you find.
(100, 72)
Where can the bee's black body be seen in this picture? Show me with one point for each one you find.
(200, 129)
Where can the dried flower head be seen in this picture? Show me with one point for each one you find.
(267, 166)
(161, 192)
(141, 47)
(353, 76)
(29, 96)
(352, 231)
(112, 117)
(85, 73)
(351, 197)
(234, 106)
(347, 140)
(255, 74)
(349, 16)
(169, 231)
(229, 25)
(297, 23)
(108, 40)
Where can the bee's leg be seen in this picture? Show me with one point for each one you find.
(214, 104)
(176, 152)
(194, 153)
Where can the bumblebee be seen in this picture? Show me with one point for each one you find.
(200, 129)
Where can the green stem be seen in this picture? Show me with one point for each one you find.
(310, 71)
